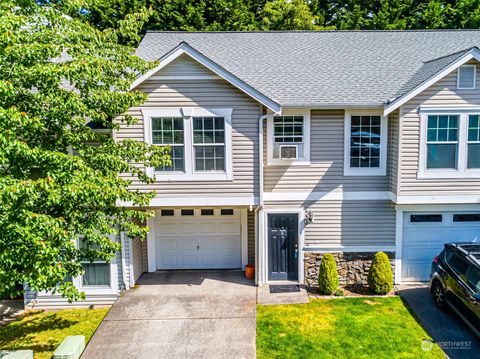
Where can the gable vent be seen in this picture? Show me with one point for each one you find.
(466, 77)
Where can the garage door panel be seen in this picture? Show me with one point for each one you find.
(423, 241)
(198, 242)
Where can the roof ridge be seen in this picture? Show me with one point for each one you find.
(305, 31)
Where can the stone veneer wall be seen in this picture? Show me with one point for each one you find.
(352, 267)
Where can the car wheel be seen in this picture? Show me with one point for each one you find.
(438, 294)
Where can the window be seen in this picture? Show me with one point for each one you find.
(474, 280)
(187, 212)
(289, 138)
(442, 141)
(207, 212)
(97, 272)
(200, 142)
(168, 131)
(473, 142)
(209, 143)
(226, 212)
(466, 77)
(167, 212)
(449, 144)
(459, 266)
(469, 217)
(365, 144)
(425, 218)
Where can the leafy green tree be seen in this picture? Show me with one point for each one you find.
(287, 15)
(57, 74)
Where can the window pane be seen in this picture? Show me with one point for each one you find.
(474, 280)
(287, 129)
(459, 265)
(210, 158)
(207, 212)
(167, 130)
(96, 274)
(365, 141)
(187, 212)
(473, 156)
(442, 156)
(208, 130)
(167, 212)
(226, 212)
(466, 217)
(466, 77)
(425, 218)
(177, 158)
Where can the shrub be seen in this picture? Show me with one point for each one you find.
(328, 275)
(380, 276)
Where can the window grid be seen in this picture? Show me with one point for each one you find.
(288, 129)
(473, 142)
(442, 141)
(209, 143)
(365, 141)
(168, 131)
(97, 272)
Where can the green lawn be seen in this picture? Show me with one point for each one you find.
(341, 328)
(44, 331)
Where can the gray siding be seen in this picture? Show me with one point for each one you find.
(443, 93)
(326, 156)
(139, 259)
(203, 93)
(251, 234)
(348, 223)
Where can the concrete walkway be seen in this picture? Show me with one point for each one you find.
(446, 329)
(182, 314)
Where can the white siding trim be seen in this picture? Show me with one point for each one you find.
(328, 196)
(438, 199)
(396, 103)
(244, 236)
(382, 169)
(192, 77)
(184, 48)
(152, 262)
(398, 244)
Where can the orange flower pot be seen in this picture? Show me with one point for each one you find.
(250, 271)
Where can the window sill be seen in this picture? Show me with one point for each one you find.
(277, 162)
(192, 177)
(94, 290)
(441, 174)
(360, 172)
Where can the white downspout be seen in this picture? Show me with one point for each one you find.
(262, 243)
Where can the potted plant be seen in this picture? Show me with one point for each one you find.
(250, 269)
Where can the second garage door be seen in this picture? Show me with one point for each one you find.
(424, 235)
(198, 239)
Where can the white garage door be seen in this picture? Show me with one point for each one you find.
(424, 235)
(198, 239)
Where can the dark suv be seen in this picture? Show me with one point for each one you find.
(455, 281)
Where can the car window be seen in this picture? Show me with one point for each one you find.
(474, 279)
(459, 266)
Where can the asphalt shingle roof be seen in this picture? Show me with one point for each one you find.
(324, 68)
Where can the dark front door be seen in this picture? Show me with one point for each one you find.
(283, 246)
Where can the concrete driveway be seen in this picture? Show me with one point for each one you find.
(182, 314)
(448, 330)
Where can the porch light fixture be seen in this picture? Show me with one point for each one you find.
(309, 216)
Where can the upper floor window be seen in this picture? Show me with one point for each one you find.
(199, 140)
(365, 144)
(449, 145)
(289, 138)
(466, 77)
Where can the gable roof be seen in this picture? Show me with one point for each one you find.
(321, 69)
(431, 72)
(184, 48)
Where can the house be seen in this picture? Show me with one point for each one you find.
(287, 145)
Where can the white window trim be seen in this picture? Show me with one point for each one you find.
(101, 289)
(300, 161)
(462, 171)
(474, 77)
(365, 171)
(187, 113)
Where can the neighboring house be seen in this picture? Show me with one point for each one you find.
(287, 145)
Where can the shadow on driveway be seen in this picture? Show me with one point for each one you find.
(446, 329)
